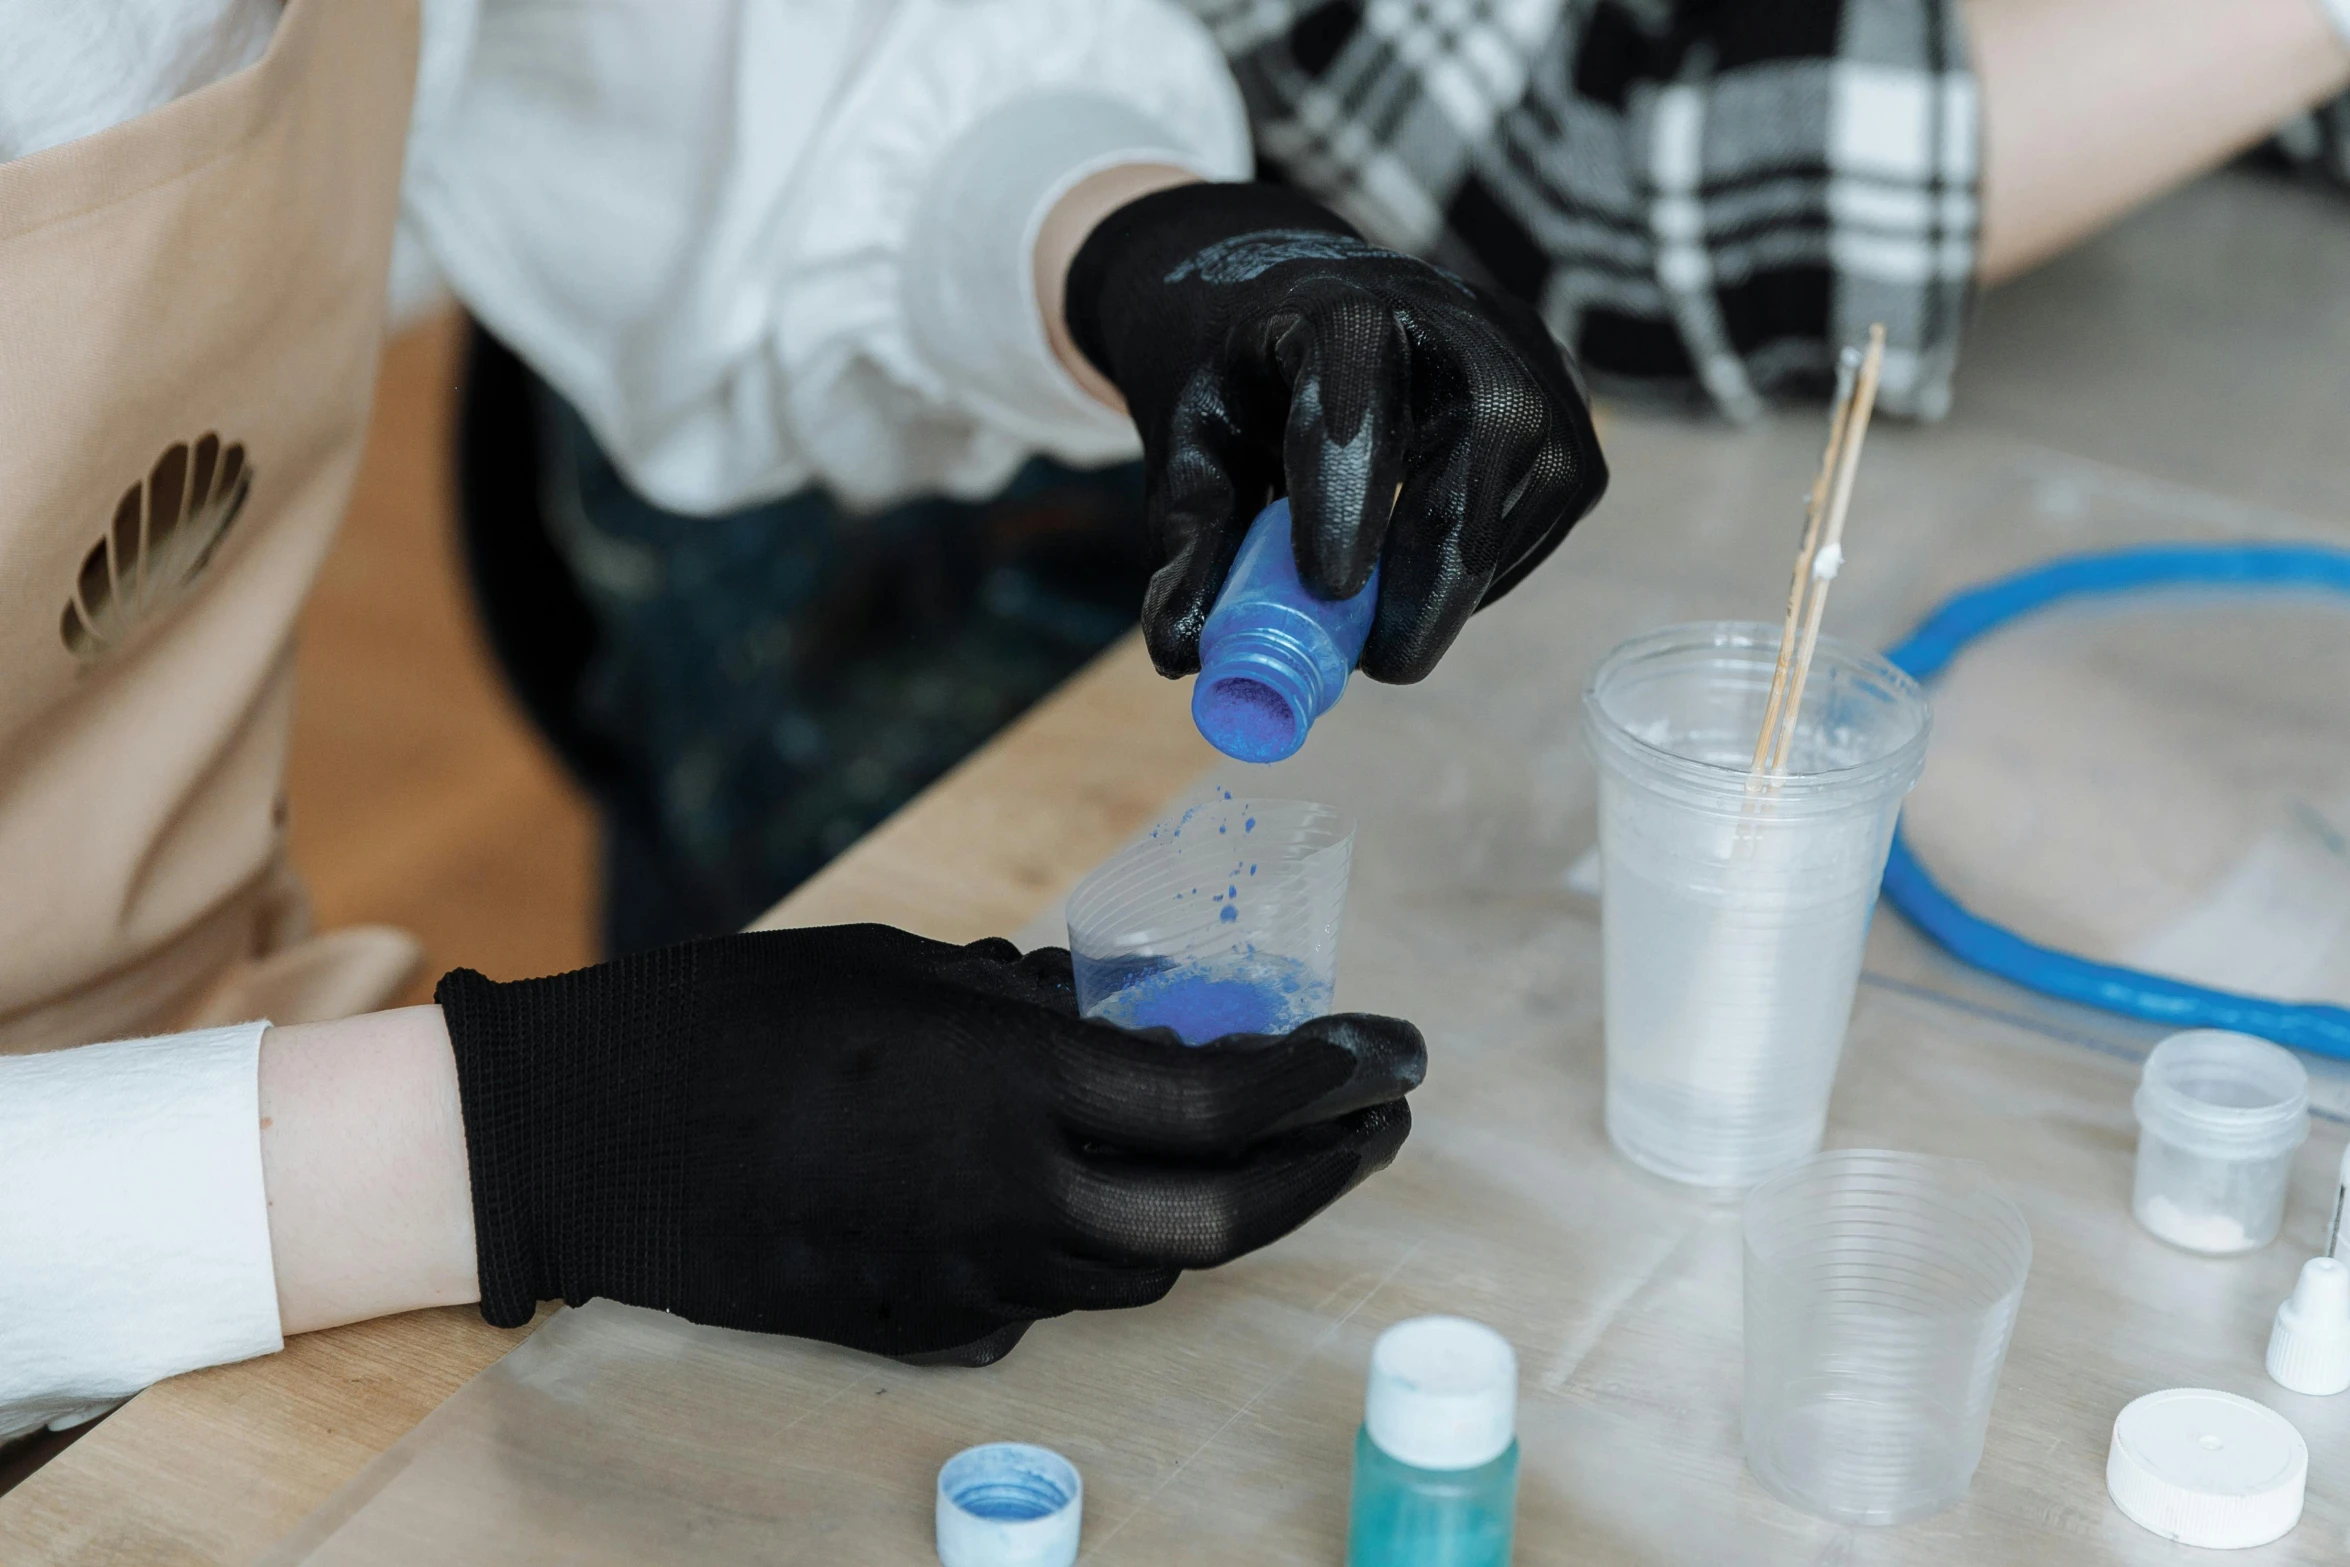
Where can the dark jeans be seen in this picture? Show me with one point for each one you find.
(746, 695)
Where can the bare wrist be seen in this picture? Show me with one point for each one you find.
(363, 1162)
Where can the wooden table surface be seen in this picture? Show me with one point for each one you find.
(215, 1466)
(1212, 1428)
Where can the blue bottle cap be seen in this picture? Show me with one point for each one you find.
(1009, 1504)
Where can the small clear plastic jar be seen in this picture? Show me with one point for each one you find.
(2219, 1116)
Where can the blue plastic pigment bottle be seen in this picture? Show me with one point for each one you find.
(1436, 1462)
(1273, 657)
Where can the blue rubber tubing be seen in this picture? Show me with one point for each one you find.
(2312, 1026)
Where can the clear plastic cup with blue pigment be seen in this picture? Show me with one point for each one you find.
(1222, 921)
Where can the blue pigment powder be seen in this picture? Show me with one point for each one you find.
(1244, 993)
(1248, 719)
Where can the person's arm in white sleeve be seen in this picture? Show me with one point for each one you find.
(758, 248)
(779, 1131)
(173, 1203)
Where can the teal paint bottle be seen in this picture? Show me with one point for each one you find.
(1436, 1460)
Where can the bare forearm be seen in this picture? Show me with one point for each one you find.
(363, 1160)
(2092, 106)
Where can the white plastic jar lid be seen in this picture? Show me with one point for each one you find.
(1009, 1504)
(2206, 1468)
(1443, 1393)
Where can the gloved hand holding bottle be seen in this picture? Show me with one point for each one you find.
(1416, 423)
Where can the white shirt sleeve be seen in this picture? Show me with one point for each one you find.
(758, 243)
(761, 244)
(134, 1232)
(444, 53)
(75, 69)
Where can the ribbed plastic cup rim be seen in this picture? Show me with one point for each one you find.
(1936, 1214)
(1122, 907)
(2276, 1125)
(1610, 740)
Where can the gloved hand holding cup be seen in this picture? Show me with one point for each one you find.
(904, 1146)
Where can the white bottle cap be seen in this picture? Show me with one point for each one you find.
(1008, 1504)
(1443, 1393)
(2206, 1468)
(2309, 1348)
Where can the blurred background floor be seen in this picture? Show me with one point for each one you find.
(420, 797)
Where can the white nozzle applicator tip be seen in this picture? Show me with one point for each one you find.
(2309, 1348)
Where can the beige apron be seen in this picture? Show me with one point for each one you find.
(190, 310)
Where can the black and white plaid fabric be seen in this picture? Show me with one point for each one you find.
(1706, 197)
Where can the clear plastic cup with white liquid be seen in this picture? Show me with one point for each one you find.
(1734, 909)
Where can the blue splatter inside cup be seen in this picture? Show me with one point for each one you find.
(1223, 921)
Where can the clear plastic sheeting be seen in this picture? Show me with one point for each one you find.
(2161, 781)
(1217, 1427)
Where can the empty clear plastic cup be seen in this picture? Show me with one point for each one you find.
(2219, 1118)
(1223, 921)
(1881, 1289)
(1734, 912)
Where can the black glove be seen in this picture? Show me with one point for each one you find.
(1264, 349)
(857, 1135)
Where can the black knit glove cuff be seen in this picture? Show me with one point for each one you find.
(573, 1091)
(1130, 254)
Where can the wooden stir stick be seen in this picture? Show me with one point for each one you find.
(1821, 555)
(1814, 508)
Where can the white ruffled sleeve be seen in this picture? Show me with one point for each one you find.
(759, 245)
(444, 49)
(134, 1230)
(916, 266)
